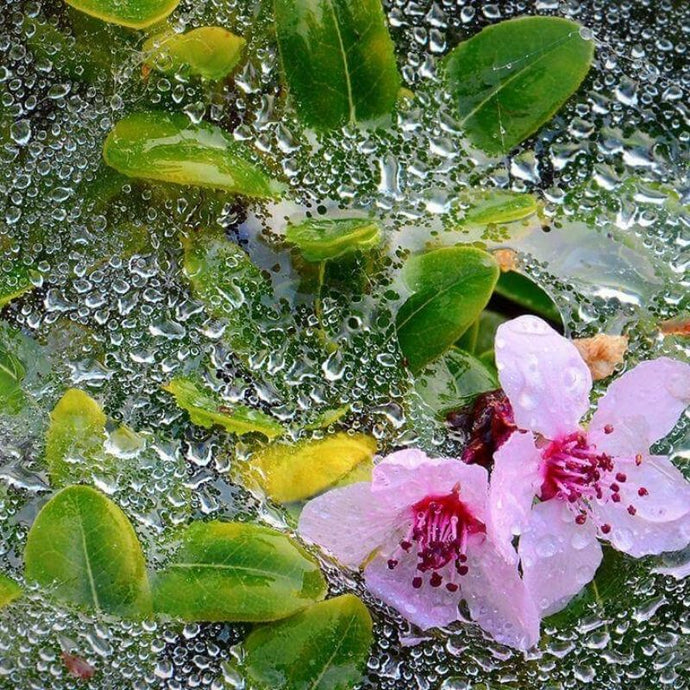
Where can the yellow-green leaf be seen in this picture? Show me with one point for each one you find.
(327, 239)
(484, 206)
(9, 590)
(136, 14)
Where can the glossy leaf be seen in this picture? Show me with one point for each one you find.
(12, 373)
(9, 591)
(323, 648)
(322, 240)
(211, 52)
(484, 206)
(488, 323)
(512, 77)
(136, 14)
(83, 549)
(338, 60)
(207, 409)
(523, 291)
(231, 571)
(167, 147)
(76, 434)
(450, 288)
(453, 380)
(327, 417)
(295, 472)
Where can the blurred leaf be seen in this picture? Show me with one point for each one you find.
(488, 323)
(451, 286)
(75, 437)
(453, 381)
(84, 550)
(512, 77)
(484, 206)
(207, 409)
(295, 472)
(327, 417)
(12, 373)
(9, 590)
(338, 60)
(167, 147)
(323, 240)
(230, 571)
(211, 52)
(136, 14)
(525, 292)
(323, 648)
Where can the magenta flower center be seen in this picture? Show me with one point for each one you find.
(440, 529)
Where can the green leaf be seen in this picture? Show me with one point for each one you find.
(211, 52)
(489, 321)
(453, 380)
(484, 206)
(322, 240)
(231, 571)
(76, 435)
(330, 416)
(323, 648)
(338, 60)
(451, 286)
(167, 147)
(525, 292)
(512, 77)
(295, 472)
(136, 14)
(9, 590)
(207, 409)
(12, 373)
(83, 548)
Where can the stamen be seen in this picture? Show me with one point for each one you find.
(642, 491)
(632, 510)
(606, 528)
(417, 582)
(608, 429)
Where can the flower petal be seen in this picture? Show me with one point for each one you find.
(403, 478)
(426, 607)
(559, 557)
(515, 481)
(642, 406)
(348, 522)
(544, 376)
(497, 598)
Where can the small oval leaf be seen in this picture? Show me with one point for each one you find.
(323, 240)
(295, 472)
(512, 77)
(496, 206)
(84, 549)
(323, 648)
(167, 147)
(207, 409)
(338, 60)
(211, 52)
(231, 571)
(451, 286)
(9, 590)
(524, 291)
(136, 14)
(12, 373)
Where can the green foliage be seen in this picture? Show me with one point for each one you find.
(231, 571)
(512, 77)
(338, 60)
(323, 648)
(485, 206)
(522, 290)
(323, 240)
(135, 14)
(9, 591)
(83, 549)
(450, 288)
(12, 373)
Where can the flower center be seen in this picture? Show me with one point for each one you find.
(440, 528)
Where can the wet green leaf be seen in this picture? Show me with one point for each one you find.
(12, 373)
(84, 550)
(136, 14)
(323, 648)
(484, 206)
(453, 381)
(292, 472)
(323, 240)
(327, 417)
(231, 571)
(523, 291)
(211, 52)
(207, 409)
(488, 323)
(76, 435)
(167, 147)
(450, 288)
(9, 591)
(512, 77)
(338, 60)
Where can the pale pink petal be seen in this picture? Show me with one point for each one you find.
(641, 407)
(515, 481)
(497, 598)
(403, 478)
(544, 376)
(348, 523)
(559, 557)
(426, 607)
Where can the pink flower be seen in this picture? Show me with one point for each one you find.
(421, 528)
(601, 482)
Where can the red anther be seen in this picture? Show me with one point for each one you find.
(642, 491)
(621, 477)
(632, 510)
(615, 488)
(416, 582)
(451, 587)
(638, 459)
(605, 528)
(406, 545)
(435, 580)
(616, 498)
(581, 519)
(462, 558)
(392, 563)
(462, 570)
(608, 429)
